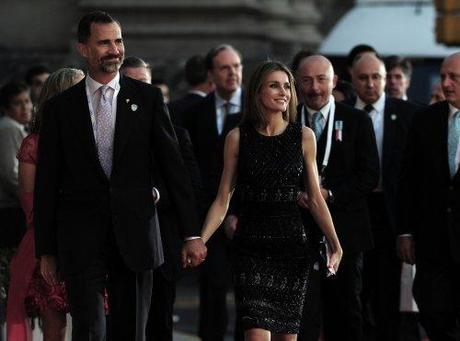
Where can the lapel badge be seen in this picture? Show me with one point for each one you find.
(338, 130)
(393, 117)
(134, 107)
(127, 100)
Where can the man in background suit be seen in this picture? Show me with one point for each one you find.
(160, 323)
(391, 118)
(197, 77)
(430, 208)
(208, 124)
(93, 197)
(351, 173)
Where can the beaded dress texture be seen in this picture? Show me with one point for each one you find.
(271, 254)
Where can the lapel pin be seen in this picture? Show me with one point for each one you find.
(127, 100)
(393, 117)
(134, 107)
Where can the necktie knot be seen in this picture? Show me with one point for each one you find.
(316, 124)
(368, 108)
(104, 91)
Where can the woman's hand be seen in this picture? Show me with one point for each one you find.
(302, 200)
(48, 269)
(334, 260)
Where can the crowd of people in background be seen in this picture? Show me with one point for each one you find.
(388, 174)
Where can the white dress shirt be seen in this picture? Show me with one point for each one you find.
(94, 97)
(324, 114)
(234, 108)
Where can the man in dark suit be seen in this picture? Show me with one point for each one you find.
(94, 207)
(391, 118)
(430, 208)
(208, 124)
(197, 77)
(352, 171)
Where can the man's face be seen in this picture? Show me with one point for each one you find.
(227, 72)
(20, 108)
(316, 80)
(104, 51)
(139, 73)
(450, 80)
(36, 85)
(397, 83)
(368, 78)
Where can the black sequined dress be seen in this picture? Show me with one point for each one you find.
(270, 244)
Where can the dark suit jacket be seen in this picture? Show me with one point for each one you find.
(208, 144)
(352, 173)
(76, 206)
(180, 107)
(397, 119)
(430, 199)
(170, 232)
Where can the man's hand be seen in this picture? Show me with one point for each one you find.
(230, 225)
(406, 249)
(48, 269)
(193, 253)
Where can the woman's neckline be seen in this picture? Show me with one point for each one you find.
(276, 135)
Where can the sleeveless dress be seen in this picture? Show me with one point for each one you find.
(271, 258)
(28, 292)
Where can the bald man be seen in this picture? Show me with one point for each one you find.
(430, 222)
(391, 118)
(352, 172)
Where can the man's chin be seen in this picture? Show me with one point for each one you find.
(110, 68)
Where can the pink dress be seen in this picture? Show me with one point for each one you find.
(28, 292)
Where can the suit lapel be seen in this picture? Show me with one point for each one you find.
(83, 124)
(126, 104)
(389, 115)
(210, 116)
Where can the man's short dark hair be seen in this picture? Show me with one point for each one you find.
(97, 17)
(134, 62)
(195, 70)
(397, 61)
(357, 50)
(299, 56)
(10, 90)
(346, 89)
(34, 71)
(215, 51)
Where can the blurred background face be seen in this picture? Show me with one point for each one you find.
(316, 80)
(20, 108)
(397, 83)
(450, 80)
(140, 73)
(227, 72)
(36, 85)
(436, 94)
(275, 93)
(368, 78)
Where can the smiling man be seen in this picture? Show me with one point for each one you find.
(94, 207)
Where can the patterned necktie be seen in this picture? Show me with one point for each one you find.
(104, 130)
(316, 124)
(454, 134)
(224, 114)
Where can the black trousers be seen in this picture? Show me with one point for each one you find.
(160, 323)
(215, 281)
(381, 277)
(129, 295)
(437, 293)
(337, 300)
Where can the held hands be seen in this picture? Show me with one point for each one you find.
(48, 269)
(193, 253)
(406, 249)
(302, 198)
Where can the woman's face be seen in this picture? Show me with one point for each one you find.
(275, 93)
(20, 108)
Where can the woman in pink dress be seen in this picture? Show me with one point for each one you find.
(29, 293)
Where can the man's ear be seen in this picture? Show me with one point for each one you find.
(82, 50)
(334, 81)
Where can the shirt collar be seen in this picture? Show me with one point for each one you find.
(15, 123)
(93, 85)
(198, 92)
(324, 110)
(235, 100)
(379, 105)
(452, 110)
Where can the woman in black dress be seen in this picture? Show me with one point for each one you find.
(269, 159)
